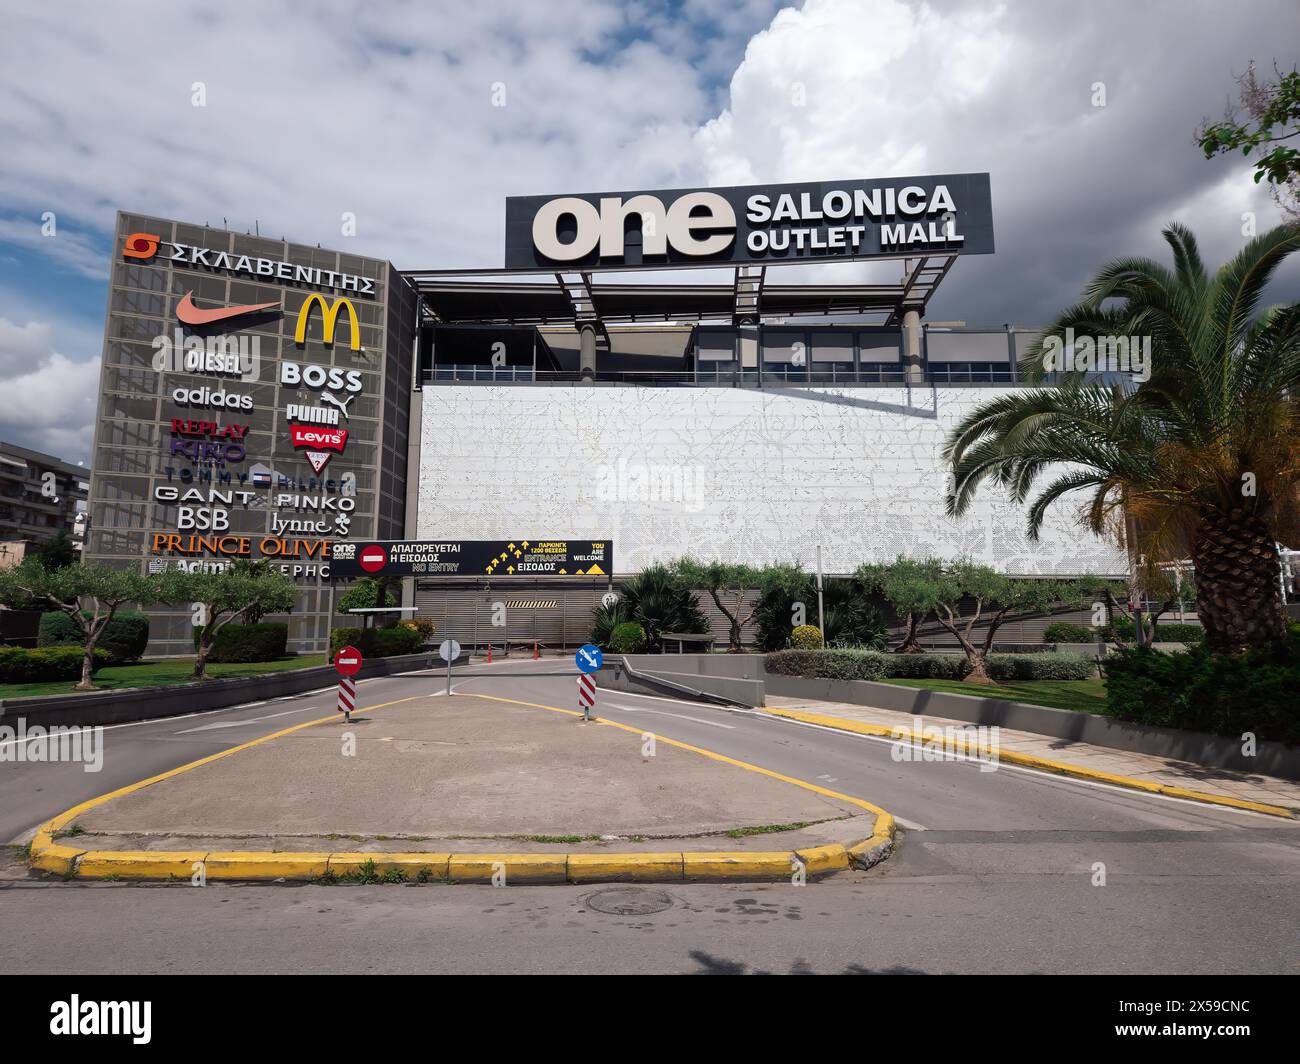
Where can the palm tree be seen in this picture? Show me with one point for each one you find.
(1202, 459)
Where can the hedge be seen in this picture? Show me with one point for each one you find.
(27, 665)
(264, 641)
(828, 664)
(627, 638)
(1065, 632)
(1165, 633)
(123, 638)
(1041, 667)
(390, 642)
(1201, 691)
(869, 665)
(376, 642)
(926, 666)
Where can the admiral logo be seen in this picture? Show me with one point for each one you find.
(145, 246)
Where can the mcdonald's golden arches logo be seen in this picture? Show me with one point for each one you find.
(329, 318)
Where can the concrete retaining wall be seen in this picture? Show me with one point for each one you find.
(123, 705)
(1273, 759)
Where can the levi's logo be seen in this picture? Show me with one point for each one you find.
(314, 436)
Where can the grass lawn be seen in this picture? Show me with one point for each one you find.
(1086, 695)
(159, 674)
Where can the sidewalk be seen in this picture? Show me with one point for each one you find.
(1144, 768)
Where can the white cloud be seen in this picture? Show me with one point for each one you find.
(891, 88)
(48, 400)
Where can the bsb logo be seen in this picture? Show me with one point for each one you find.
(317, 442)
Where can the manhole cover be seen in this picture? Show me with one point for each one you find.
(629, 901)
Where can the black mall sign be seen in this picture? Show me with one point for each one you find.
(473, 557)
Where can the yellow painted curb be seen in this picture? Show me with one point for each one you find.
(253, 864)
(518, 867)
(738, 864)
(48, 855)
(820, 859)
(409, 863)
(1016, 757)
(61, 860)
(139, 864)
(629, 867)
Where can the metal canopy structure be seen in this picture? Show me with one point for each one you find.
(500, 297)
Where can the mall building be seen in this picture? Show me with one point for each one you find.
(532, 434)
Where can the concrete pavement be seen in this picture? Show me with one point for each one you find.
(1013, 870)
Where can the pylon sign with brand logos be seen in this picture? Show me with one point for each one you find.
(318, 443)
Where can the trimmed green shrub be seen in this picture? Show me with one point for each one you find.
(1065, 632)
(1165, 633)
(1041, 667)
(869, 665)
(627, 638)
(1201, 691)
(376, 642)
(389, 642)
(123, 638)
(926, 666)
(361, 638)
(427, 628)
(806, 637)
(28, 665)
(263, 641)
(827, 664)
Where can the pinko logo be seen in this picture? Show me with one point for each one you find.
(141, 245)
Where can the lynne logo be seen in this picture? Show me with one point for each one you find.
(221, 354)
(212, 397)
(134, 1018)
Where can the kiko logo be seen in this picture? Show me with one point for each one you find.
(697, 223)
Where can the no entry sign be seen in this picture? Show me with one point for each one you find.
(348, 661)
(373, 558)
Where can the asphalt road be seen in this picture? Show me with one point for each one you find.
(995, 871)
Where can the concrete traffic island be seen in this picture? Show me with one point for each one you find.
(465, 789)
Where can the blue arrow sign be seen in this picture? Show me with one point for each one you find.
(589, 658)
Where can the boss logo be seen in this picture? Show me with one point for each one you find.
(696, 223)
(337, 380)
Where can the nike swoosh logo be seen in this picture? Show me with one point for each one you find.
(188, 313)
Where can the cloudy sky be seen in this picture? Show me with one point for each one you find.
(420, 118)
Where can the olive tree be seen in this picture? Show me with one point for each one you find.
(89, 595)
(217, 598)
(728, 583)
(911, 587)
(995, 595)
